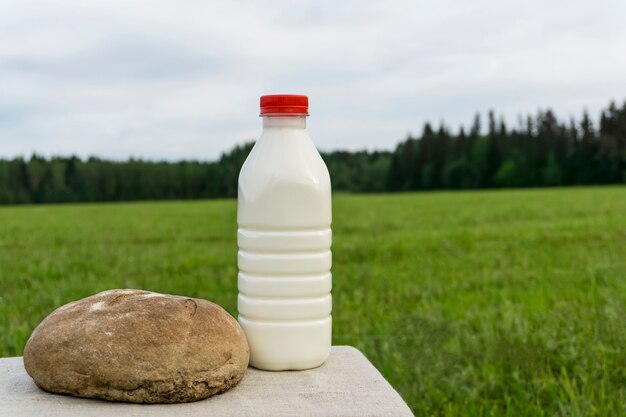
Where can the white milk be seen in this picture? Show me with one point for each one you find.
(284, 237)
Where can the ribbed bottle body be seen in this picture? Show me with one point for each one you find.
(284, 258)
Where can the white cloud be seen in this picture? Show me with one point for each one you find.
(165, 79)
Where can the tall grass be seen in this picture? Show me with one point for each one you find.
(470, 303)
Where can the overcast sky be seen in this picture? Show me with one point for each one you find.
(181, 79)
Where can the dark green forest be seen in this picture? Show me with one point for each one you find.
(540, 151)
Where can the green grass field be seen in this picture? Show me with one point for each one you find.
(471, 303)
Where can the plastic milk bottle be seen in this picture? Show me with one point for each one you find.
(284, 237)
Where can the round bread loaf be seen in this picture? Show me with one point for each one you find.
(137, 346)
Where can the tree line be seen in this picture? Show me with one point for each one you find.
(540, 151)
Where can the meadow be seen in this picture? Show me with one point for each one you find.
(498, 303)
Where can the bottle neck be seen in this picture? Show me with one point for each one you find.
(282, 122)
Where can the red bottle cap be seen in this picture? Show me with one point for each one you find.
(284, 104)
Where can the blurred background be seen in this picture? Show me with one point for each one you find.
(472, 302)
(172, 81)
